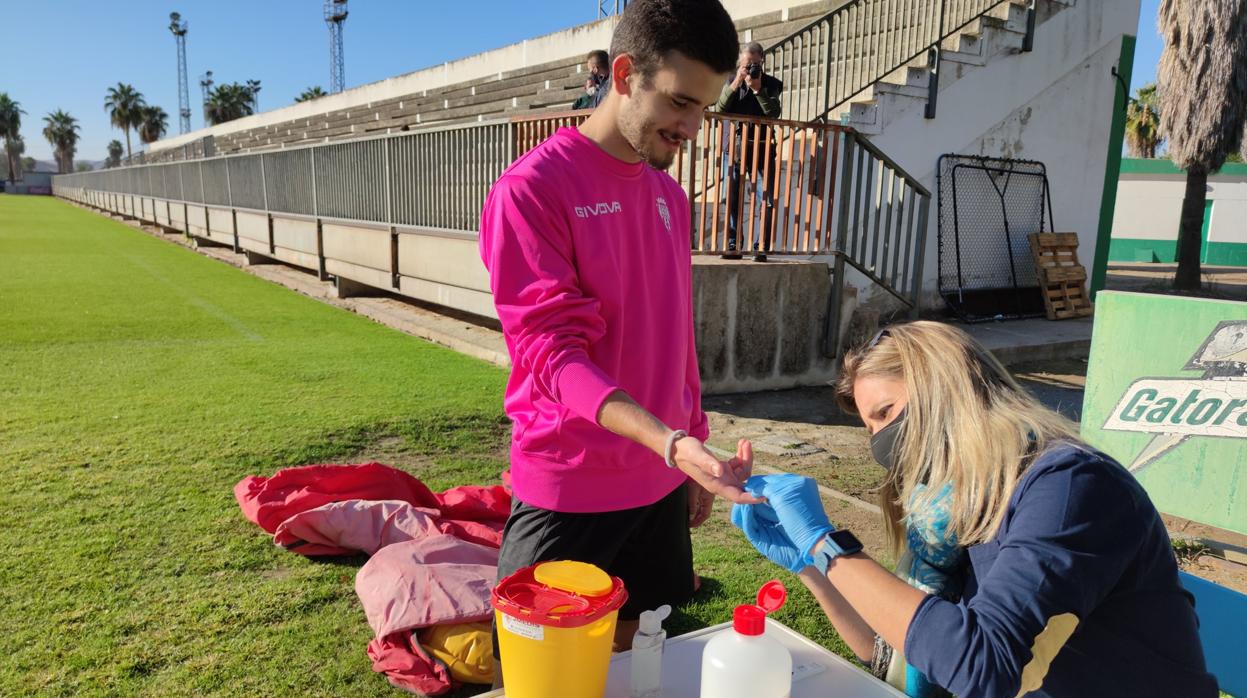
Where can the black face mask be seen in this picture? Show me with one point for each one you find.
(883, 442)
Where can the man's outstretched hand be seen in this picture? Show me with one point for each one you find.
(718, 478)
(701, 500)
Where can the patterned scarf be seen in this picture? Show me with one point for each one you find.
(934, 563)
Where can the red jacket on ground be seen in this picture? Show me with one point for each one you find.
(434, 555)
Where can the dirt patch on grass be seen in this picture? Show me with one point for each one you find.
(1215, 554)
(857, 477)
(394, 451)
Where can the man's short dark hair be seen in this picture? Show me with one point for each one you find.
(599, 57)
(700, 29)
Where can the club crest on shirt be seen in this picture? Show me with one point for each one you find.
(661, 203)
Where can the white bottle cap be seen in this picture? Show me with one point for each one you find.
(651, 621)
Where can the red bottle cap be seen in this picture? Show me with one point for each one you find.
(772, 596)
(750, 619)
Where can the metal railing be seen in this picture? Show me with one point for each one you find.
(806, 165)
(836, 57)
(814, 190)
(767, 185)
(436, 178)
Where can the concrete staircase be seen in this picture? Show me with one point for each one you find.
(1000, 32)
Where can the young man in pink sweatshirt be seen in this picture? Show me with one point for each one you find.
(586, 239)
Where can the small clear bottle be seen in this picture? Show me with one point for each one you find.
(647, 647)
(742, 662)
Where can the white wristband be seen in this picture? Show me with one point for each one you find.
(671, 439)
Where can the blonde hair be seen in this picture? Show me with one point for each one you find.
(968, 424)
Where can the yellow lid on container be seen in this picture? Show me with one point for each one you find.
(577, 577)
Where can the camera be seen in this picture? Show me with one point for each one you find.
(755, 70)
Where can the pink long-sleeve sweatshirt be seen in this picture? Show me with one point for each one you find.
(589, 264)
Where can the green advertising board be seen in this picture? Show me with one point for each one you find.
(1167, 397)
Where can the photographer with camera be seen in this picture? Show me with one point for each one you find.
(597, 85)
(752, 93)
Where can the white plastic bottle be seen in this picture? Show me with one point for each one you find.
(647, 646)
(742, 662)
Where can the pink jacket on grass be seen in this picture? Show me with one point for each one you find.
(590, 267)
(471, 512)
(434, 556)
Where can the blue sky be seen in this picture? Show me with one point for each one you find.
(1148, 49)
(64, 54)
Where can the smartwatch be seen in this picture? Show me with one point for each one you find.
(835, 544)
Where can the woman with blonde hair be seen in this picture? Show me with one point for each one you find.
(1071, 587)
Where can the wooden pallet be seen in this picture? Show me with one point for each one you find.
(1062, 280)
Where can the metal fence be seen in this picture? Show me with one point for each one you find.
(431, 179)
(754, 186)
(245, 175)
(828, 62)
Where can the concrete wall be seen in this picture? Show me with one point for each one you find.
(1149, 207)
(761, 326)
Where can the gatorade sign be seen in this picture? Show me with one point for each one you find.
(1167, 397)
(1194, 408)
(1178, 408)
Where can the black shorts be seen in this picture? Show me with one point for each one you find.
(647, 547)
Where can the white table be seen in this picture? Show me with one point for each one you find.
(817, 673)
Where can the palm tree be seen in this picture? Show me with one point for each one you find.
(1203, 103)
(1143, 123)
(253, 87)
(228, 101)
(10, 129)
(115, 151)
(314, 92)
(14, 146)
(153, 123)
(124, 105)
(61, 130)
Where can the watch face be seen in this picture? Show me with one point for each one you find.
(846, 541)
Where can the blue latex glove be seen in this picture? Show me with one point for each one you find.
(762, 528)
(796, 504)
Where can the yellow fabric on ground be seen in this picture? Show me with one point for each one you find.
(466, 650)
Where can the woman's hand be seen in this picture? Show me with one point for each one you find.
(761, 527)
(797, 506)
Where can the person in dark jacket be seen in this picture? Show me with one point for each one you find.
(598, 83)
(752, 92)
(1067, 585)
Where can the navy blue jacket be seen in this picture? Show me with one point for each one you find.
(1077, 595)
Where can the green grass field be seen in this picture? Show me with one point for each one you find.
(139, 383)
